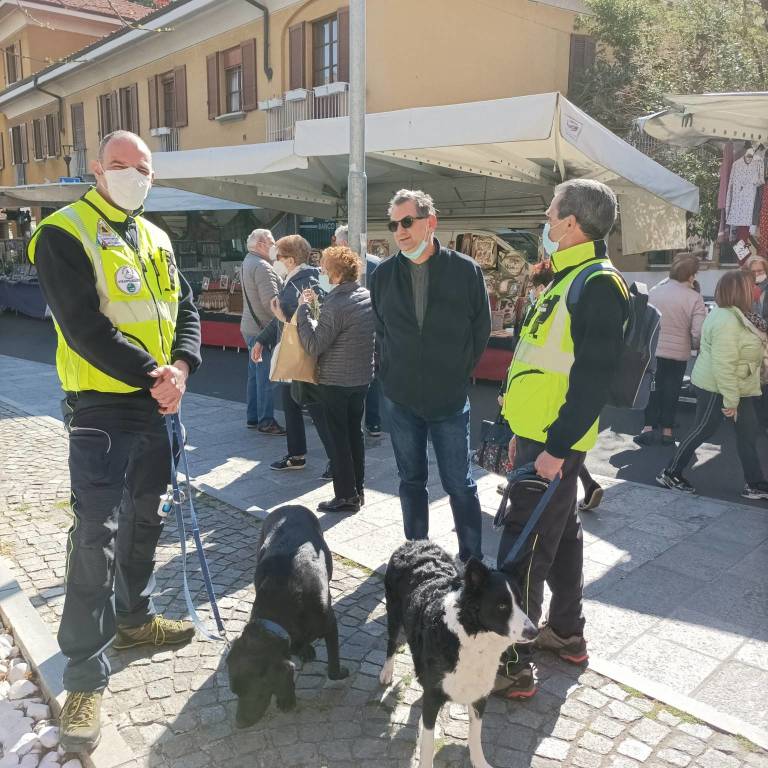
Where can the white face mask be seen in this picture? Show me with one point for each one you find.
(127, 187)
(281, 269)
(759, 277)
(273, 253)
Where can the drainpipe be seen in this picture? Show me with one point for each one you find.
(56, 96)
(263, 8)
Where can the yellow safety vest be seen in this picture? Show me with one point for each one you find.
(537, 380)
(138, 289)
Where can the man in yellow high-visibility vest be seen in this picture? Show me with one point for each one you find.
(557, 384)
(128, 338)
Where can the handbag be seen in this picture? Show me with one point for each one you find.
(290, 361)
(493, 453)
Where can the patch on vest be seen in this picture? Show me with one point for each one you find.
(106, 237)
(128, 280)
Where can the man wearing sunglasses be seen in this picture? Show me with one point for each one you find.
(433, 321)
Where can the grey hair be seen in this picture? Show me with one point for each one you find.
(591, 203)
(256, 236)
(425, 205)
(119, 135)
(342, 235)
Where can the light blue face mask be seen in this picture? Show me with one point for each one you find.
(420, 248)
(550, 246)
(325, 283)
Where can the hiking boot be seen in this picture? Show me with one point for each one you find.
(676, 482)
(514, 683)
(159, 631)
(572, 649)
(80, 721)
(289, 462)
(328, 473)
(755, 491)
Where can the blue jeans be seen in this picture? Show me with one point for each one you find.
(450, 439)
(259, 392)
(372, 416)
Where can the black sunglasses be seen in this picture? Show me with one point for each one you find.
(406, 221)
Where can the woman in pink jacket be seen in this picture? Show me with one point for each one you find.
(682, 315)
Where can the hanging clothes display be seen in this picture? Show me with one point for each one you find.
(747, 175)
(725, 175)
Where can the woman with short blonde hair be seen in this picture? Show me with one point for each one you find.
(342, 340)
(727, 381)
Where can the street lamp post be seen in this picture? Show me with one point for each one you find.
(357, 184)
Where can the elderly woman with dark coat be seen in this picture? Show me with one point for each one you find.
(342, 341)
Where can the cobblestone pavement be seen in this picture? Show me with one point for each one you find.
(175, 710)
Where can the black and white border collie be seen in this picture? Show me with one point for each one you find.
(457, 627)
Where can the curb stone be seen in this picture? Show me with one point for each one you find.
(42, 652)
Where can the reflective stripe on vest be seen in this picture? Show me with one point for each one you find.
(537, 381)
(138, 290)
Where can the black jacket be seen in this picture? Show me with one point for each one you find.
(69, 286)
(428, 370)
(306, 277)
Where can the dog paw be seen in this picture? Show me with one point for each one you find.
(387, 671)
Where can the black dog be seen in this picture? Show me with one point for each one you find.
(292, 609)
(457, 628)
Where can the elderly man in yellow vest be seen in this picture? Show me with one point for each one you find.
(556, 387)
(128, 338)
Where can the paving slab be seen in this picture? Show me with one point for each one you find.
(680, 576)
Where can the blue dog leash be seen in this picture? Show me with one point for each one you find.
(173, 427)
(526, 472)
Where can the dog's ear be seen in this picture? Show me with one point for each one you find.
(475, 574)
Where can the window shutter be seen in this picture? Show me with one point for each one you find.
(152, 88)
(103, 117)
(296, 54)
(19, 67)
(2, 153)
(582, 58)
(212, 66)
(343, 26)
(24, 143)
(44, 151)
(133, 99)
(180, 95)
(248, 63)
(114, 112)
(56, 134)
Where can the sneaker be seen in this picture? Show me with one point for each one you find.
(80, 721)
(572, 649)
(328, 474)
(350, 505)
(755, 491)
(501, 488)
(160, 631)
(676, 482)
(273, 429)
(374, 430)
(514, 683)
(592, 498)
(252, 424)
(289, 462)
(646, 438)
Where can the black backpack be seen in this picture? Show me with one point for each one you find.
(632, 384)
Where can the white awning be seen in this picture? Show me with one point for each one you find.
(695, 119)
(160, 199)
(523, 139)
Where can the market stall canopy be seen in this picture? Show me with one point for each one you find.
(160, 199)
(696, 119)
(524, 139)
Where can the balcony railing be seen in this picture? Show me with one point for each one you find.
(322, 102)
(169, 138)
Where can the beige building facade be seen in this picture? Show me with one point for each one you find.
(198, 74)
